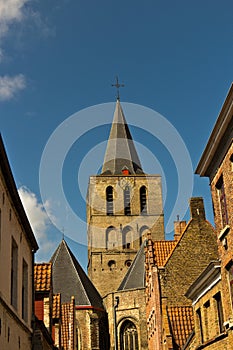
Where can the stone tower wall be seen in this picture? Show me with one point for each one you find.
(113, 240)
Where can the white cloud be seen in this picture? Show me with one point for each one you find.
(1, 55)
(38, 219)
(9, 86)
(10, 11)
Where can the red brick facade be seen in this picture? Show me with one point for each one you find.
(169, 311)
(217, 164)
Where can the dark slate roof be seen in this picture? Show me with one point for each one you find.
(69, 279)
(135, 276)
(120, 152)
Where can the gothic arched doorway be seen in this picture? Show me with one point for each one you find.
(128, 336)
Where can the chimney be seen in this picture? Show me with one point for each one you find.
(179, 227)
(197, 210)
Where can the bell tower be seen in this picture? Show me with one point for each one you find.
(123, 204)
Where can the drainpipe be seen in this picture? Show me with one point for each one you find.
(115, 323)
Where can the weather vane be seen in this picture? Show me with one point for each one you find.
(118, 86)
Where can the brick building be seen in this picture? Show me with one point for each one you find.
(217, 164)
(171, 267)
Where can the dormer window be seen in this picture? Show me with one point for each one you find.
(125, 171)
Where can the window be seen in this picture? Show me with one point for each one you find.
(143, 234)
(109, 200)
(25, 291)
(143, 200)
(127, 237)
(128, 336)
(111, 237)
(14, 275)
(230, 277)
(112, 264)
(222, 201)
(127, 201)
(207, 315)
(218, 299)
(128, 263)
(198, 313)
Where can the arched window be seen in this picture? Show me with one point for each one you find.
(111, 237)
(128, 336)
(112, 264)
(127, 237)
(109, 200)
(143, 232)
(127, 201)
(143, 200)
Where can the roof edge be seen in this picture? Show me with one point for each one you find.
(216, 135)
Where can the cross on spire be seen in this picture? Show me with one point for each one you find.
(118, 86)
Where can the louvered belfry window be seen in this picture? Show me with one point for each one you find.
(143, 200)
(109, 200)
(127, 201)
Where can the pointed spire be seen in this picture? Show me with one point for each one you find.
(121, 156)
(69, 279)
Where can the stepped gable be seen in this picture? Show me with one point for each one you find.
(69, 279)
(120, 153)
(135, 276)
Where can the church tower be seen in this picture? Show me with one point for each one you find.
(123, 204)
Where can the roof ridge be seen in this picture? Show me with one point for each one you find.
(179, 239)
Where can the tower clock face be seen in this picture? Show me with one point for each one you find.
(126, 182)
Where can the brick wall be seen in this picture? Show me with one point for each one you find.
(195, 249)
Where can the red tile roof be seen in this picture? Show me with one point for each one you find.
(182, 323)
(42, 277)
(67, 327)
(162, 250)
(56, 306)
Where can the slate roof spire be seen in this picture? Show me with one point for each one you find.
(121, 156)
(69, 279)
(135, 276)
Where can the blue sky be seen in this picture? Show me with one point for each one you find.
(60, 57)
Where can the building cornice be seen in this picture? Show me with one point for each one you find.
(219, 130)
(208, 278)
